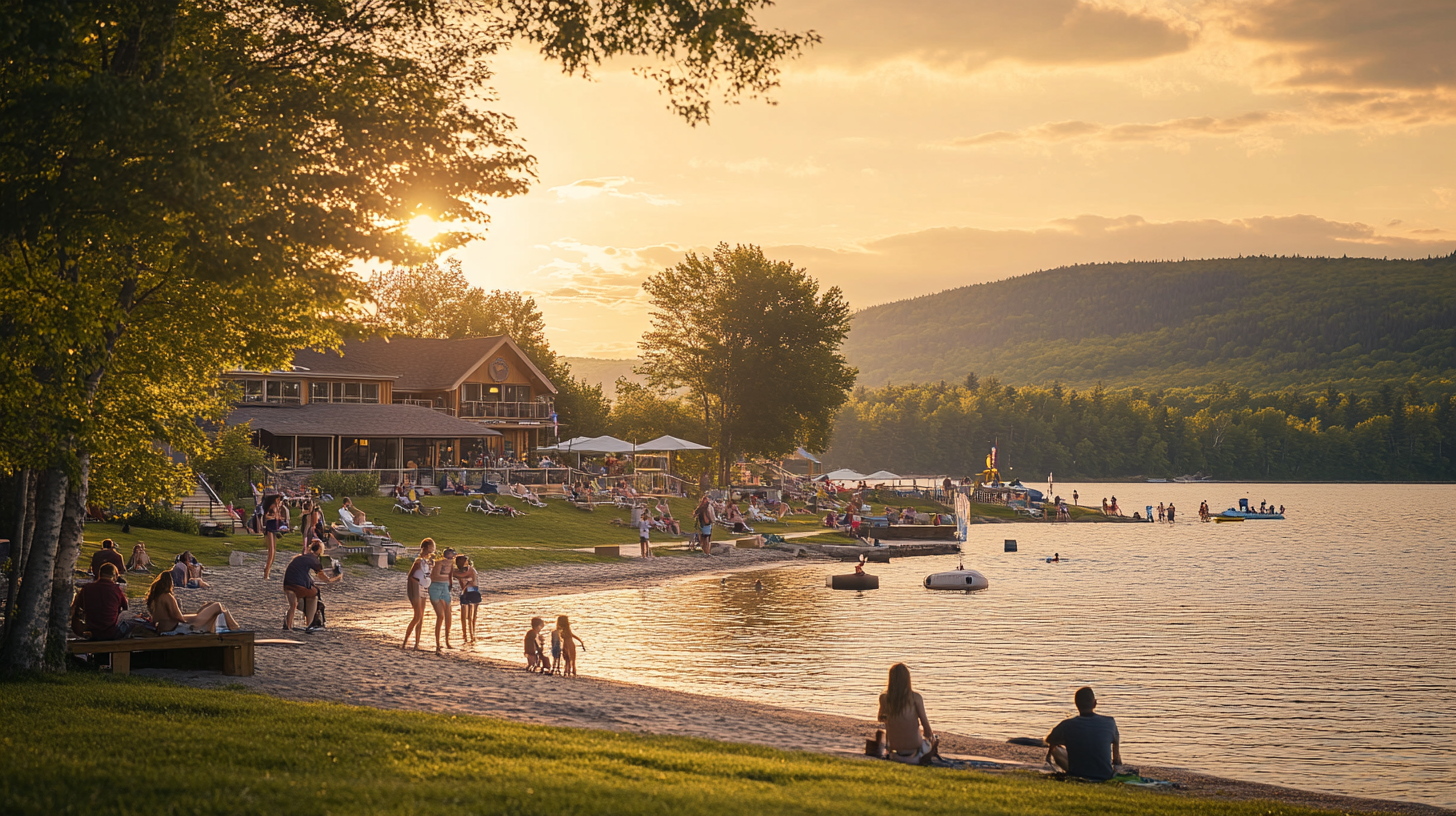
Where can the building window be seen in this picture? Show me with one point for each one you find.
(252, 390)
(318, 392)
(516, 393)
(370, 392)
(282, 391)
(473, 392)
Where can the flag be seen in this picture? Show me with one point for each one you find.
(555, 428)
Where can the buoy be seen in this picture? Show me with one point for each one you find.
(853, 581)
(1010, 545)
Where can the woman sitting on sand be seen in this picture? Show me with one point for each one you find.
(171, 620)
(908, 736)
(416, 585)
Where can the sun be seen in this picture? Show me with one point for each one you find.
(423, 228)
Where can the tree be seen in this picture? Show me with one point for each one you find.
(755, 344)
(184, 186)
(641, 413)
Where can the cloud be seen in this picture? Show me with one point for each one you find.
(1172, 129)
(970, 34)
(605, 275)
(918, 263)
(760, 166)
(610, 186)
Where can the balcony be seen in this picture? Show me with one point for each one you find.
(426, 404)
(505, 410)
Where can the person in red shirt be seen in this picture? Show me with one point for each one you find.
(96, 609)
(107, 555)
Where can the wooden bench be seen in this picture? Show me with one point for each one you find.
(230, 653)
(614, 549)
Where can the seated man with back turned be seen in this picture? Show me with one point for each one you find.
(1086, 745)
(96, 609)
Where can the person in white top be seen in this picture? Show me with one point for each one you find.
(644, 528)
(415, 586)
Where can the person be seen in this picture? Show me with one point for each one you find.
(831, 520)
(1074, 497)
(533, 644)
(298, 586)
(703, 519)
(416, 585)
(272, 521)
(140, 561)
(314, 529)
(644, 530)
(96, 609)
(1116, 511)
(568, 646)
(555, 665)
(107, 555)
(908, 735)
(179, 570)
(1079, 745)
(1105, 508)
(439, 592)
(1162, 512)
(171, 620)
(469, 581)
(194, 574)
(1281, 509)
(1172, 512)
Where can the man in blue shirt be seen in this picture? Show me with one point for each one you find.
(1080, 745)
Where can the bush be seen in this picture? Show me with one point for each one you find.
(340, 485)
(162, 517)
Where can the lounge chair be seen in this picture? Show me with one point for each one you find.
(367, 529)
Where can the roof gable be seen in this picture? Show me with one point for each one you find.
(416, 363)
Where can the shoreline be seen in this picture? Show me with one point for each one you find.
(355, 662)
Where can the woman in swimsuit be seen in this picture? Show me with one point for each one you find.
(464, 573)
(908, 736)
(272, 520)
(418, 574)
(171, 620)
(568, 646)
(439, 593)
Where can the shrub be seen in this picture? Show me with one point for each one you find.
(340, 485)
(162, 517)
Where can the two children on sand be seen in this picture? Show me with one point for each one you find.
(563, 647)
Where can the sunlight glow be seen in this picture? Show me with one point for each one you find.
(423, 228)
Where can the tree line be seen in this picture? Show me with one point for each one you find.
(1225, 432)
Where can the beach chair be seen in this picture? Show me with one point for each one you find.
(484, 506)
(368, 529)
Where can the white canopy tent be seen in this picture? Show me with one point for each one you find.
(844, 475)
(565, 444)
(881, 476)
(598, 444)
(670, 444)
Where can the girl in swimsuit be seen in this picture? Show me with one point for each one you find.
(464, 573)
(419, 572)
(439, 593)
(908, 736)
(568, 645)
(171, 620)
(272, 520)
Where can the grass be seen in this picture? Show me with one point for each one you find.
(193, 751)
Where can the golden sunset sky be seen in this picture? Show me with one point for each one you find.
(928, 145)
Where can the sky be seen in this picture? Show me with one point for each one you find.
(928, 145)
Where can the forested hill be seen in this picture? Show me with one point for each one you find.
(1257, 322)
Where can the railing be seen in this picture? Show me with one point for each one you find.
(505, 410)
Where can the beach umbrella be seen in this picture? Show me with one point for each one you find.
(598, 444)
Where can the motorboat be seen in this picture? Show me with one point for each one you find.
(959, 579)
(1245, 511)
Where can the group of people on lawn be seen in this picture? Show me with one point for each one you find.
(1086, 746)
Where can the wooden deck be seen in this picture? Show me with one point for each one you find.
(230, 653)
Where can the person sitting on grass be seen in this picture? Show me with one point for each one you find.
(1085, 746)
(298, 586)
(908, 736)
(107, 555)
(96, 609)
(171, 620)
(140, 561)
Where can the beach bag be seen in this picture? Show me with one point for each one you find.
(318, 615)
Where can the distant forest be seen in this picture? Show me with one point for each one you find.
(1265, 323)
(1225, 432)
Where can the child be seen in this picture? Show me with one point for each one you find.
(644, 528)
(555, 652)
(568, 645)
(469, 580)
(533, 645)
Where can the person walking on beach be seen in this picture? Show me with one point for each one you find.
(568, 645)
(1079, 745)
(439, 592)
(703, 519)
(416, 586)
(1172, 511)
(644, 530)
(908, 736)
(469, 580)
(272, 521)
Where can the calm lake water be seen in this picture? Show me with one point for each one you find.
(1314, 652)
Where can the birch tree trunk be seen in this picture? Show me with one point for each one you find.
(17, 542)
(25, 641)
(63, 577)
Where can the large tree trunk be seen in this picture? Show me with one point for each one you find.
(25, 641)
(17, 542)
(68, 549)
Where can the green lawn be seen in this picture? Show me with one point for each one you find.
(94, 744)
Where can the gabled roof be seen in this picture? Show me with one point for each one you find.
(349, 419)
(416, 363)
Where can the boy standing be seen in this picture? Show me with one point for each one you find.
(644, 528)
(533, 645)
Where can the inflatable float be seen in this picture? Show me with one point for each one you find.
(960, 579)
(854, 580)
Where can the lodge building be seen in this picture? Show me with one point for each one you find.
(400, 402)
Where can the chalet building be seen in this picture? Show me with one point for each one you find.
(399, 403)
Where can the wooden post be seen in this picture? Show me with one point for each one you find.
(121, 663)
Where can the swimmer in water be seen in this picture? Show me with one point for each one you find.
(1055, 559)
(723, 582)
(758, 586)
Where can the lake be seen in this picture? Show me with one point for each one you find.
(1314, 652)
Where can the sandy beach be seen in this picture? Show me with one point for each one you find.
(357, 660)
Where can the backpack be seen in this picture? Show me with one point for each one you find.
(318, 615)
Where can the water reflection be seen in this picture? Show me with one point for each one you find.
(1313, 652)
